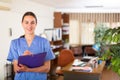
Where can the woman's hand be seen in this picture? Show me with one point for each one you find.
(16, 67)
(23, 68)
(27, 53)
(20, 67)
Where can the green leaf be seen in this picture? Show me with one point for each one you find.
(119, 72)
(110, 36)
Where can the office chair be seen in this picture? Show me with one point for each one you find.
(65, 57)
(89, 51)
(77, 50)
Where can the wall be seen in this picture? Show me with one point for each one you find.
(12, 19)
(43, 13)
(4, 40)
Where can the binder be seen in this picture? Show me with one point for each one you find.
(32, 61)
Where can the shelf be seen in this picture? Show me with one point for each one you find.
(57, 42)
(56, 45)
(57, 49)
(65, 36)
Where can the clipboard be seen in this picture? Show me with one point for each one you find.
(32, 61)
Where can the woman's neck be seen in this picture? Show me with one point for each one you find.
(29, 39)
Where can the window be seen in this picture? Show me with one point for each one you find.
(82, 25)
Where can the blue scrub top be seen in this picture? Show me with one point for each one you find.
(38, 45)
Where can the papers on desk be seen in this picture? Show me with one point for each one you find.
(88, 58)
(78, 63)
(80, 66)
(82, 69)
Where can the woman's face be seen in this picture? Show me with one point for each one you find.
(29, 24)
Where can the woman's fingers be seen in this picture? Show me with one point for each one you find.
(23, 67)
(27, 52)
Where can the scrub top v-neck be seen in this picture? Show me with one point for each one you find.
(38, 45)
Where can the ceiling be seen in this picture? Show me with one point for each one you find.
(82, 4)
(77, 5)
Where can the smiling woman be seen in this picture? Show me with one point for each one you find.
(30, 44)
(29, 23)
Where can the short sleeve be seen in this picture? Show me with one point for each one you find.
(12, 54)
(50, 55)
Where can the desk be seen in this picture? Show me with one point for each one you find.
(73, 75)
(53, 66)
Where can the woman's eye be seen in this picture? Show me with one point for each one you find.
(26, 22)
(32, 22)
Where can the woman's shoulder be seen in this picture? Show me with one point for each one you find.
(16, 39)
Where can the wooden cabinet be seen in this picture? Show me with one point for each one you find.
(62, 21)
(65, 17)
(57, 45)
(57, 19)
(65, 30)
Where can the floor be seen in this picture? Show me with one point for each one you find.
(107, 75)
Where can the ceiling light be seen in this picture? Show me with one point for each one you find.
(94, 6)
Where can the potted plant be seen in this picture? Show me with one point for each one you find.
(99, 31)
(112, 39)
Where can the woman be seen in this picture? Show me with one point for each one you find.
(30, 44)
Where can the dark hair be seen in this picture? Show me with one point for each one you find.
(29, 14)
(22, 36)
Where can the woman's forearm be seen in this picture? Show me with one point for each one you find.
(45, 68)
(15, 66)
